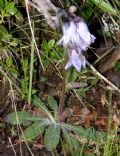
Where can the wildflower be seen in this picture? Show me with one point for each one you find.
(76, 39)
(76, 58)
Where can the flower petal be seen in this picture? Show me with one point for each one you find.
(76, 60)
(69, 34)
(84, 32)
(69, 64)
(60, 41)
(85, 37)
(92, 38)
(83, 60)
(81, 57)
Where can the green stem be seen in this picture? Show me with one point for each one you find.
(32, 54)
(31, 71)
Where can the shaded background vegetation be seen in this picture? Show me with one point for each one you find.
(31, 75)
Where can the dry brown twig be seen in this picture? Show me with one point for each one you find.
(103, 78)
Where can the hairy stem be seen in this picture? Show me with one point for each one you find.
(62, 98)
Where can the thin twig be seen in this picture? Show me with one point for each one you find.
(9, 139)
(102, 77)
(32, 33)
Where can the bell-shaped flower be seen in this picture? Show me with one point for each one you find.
(85, 36)
(76, 38)
(69, 34)
(77, 60)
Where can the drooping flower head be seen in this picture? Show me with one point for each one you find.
(76, 39)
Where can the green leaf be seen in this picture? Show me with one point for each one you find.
(4, 13)
(32, 131)
(14, 70)
(3, 32)
(12, 11)
(34, 91)
(3, 48)
(51, 44)
(90, 3)
(9, 62)
(14, 43)
(1, 4)
(44, 45)
(19, 16)
(55, 55)
(105, 6)
(76, 129)
(52, 135)
(52, 103)
(88, 13)
(22, 117)
(95, 81)
(88, 134)
(72, 75)
(71, 141)
(19, 117)
(9, 5)
(38, 103)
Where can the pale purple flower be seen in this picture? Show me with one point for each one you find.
(76, 59)
(69, 34)
(84, 34)
(76, 39)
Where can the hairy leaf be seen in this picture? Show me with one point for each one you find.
(22, 117)
(52, 135)
(17, 117)
(71, 141)
(38, 103)
(52, 103)
(33, 131)
(88, 134)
